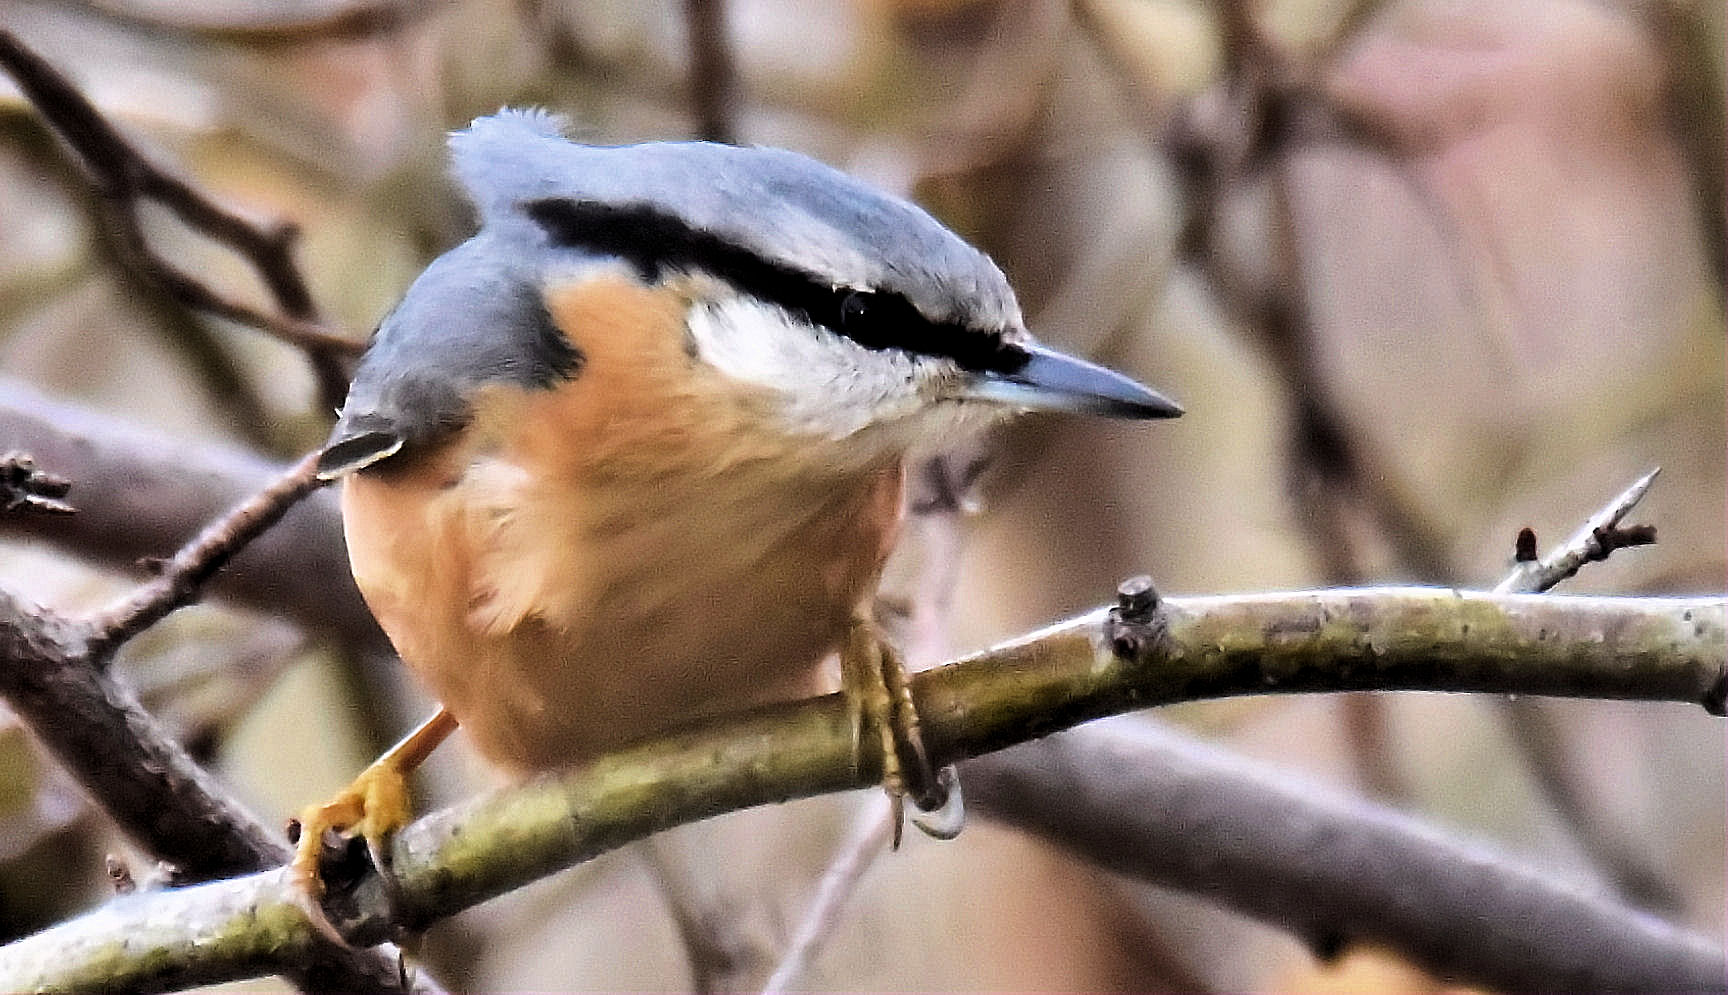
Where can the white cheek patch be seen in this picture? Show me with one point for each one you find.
(829, 385)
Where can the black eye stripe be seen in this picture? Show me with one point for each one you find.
(653, 242)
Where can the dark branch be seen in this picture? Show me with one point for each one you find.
(1163, 808)
(713, 79)
(159, 796)
(92, 723)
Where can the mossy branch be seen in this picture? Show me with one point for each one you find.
(1110, 661)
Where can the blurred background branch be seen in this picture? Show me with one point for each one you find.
(124, 178)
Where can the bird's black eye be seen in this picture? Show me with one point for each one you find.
(854, 309)
(869, 320)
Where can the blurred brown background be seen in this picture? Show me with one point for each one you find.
(1423, 272)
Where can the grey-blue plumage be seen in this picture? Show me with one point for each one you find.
(477, 313)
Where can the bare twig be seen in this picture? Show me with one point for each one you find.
(1409, 638)
(143, 494)
(124, 178)
(183, 577)
(1599, 537)
(713, 78)
(52, 675)
(872, 831)
(27, 490)
(1542, 740)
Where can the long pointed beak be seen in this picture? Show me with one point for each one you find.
(1054, 381)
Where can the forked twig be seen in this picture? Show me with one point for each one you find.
(1599, 537)
(124, 178)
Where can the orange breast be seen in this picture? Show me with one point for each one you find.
(637, 547)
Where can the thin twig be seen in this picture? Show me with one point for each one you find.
(141, 494)
(123, 177)
(184, 576)
(871, 834)
(52, 674)
(1594, 542)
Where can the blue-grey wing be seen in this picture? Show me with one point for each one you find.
(476, 315)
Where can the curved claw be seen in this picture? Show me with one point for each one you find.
(946, 820)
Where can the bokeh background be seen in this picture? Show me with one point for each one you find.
(1423, 272)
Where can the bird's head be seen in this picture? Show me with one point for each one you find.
(852, 309)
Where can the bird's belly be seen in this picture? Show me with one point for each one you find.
(559, 618)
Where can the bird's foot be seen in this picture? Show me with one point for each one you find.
(880, 695)
(372, 809)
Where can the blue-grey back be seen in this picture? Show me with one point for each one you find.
(780, 205)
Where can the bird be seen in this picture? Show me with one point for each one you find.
(633, 453)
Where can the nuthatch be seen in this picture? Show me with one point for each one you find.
(633, 453)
